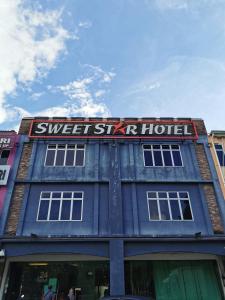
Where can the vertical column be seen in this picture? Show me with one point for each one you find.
(117, 286)
(115, 198)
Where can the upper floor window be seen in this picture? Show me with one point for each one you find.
(169, 206)
(162, 156)
(4, 155)
(220, 154)
(60, 206)
(65, 155)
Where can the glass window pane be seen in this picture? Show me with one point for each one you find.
(167, 158)
(5, 153)
(186, 210)
(165, 147)
(220, 157)
(153, 209)
(70, 157)
(172, 195)
(152, 195)
(61, 146)
(45, 195)
(65, 213)
(76, 214)
(52, 146)
(43, 210)
(54, 213)
(162, 195)
(157, 158)
(177, 158)
(147, 147)
(77, 195)
(60, 158)
(148, 158)
(175, 210)
(218, 146)
(79, 158)
(56, 195)
(164, 209)
(67, 195)
(183, 195)
(156, 146)
(80, 146)
(175, 147)
(71, 146)
(50, 158)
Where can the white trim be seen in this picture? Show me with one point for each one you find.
(61, 199)
(162, 156)
(65, 155)
(168, 199)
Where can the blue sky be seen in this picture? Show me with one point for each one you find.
(125, 58)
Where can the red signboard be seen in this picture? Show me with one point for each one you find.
(146, 129)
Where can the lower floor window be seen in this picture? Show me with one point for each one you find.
(60, 206)
(169, 206)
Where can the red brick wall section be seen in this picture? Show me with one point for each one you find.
(14, 211)
(18, 193)
(213, 208)
(25, 126)
(200, 127)
(25, 160)
(203, 162)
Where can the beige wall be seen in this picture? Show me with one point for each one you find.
(220, 170)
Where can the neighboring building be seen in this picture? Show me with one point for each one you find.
(217, 145)
(115, 205)
(8, 167)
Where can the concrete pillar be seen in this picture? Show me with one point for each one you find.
(117, 282)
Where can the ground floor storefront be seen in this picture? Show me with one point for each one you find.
(158, 276)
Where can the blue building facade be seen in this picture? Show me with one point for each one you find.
(115, 206)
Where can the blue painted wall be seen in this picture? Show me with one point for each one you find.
(94, 221)
(114, 180)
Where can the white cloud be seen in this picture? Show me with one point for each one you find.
(83, 97)
(31, 43)
(85, 24)
(36, 96)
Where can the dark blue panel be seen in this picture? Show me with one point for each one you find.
(186, 210)
(157, 158)
(89, 248)
(177, 158)
(164, 208)
(140, 248)
(167, 158)
(175, 210)
(43, 210)
(54, 211)
(65, 213)
(148, 158)
(50, 158)
(76, 213)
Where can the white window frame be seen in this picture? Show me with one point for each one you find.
(60, 208)
(162, 150)
(179, 199)
(66, 149)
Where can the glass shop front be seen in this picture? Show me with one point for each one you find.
(154, 279)
(173, 280)
(30, 280)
